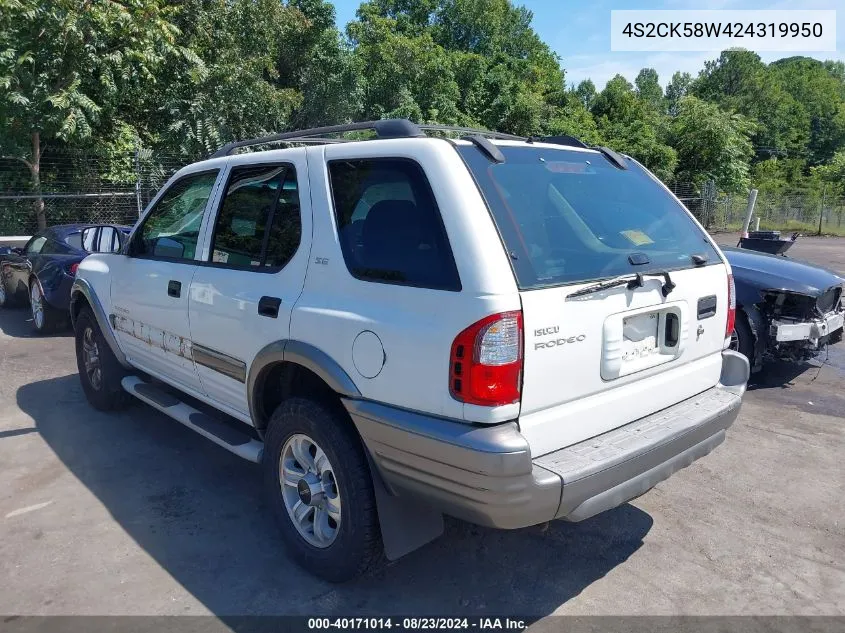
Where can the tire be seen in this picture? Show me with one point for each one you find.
(742, 340)
(836, 337)
(45, 318)
(105, 392)
(354, 545)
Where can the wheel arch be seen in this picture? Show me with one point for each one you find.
(83, 295)
(289, 367)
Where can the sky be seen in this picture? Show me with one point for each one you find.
(579, 31)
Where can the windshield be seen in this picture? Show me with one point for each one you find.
(567, 216)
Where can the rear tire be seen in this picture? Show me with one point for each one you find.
(336, 471)
(99, 370)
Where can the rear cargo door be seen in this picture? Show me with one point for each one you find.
(597, 357)
(596, 362)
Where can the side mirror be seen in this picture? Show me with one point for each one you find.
(168, 247)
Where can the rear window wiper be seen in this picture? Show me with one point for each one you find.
(632, 281)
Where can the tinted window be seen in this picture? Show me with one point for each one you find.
(568, 216)
(171, 229)
(259, 222)
(389, 225)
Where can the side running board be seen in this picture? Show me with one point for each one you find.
(218, 432)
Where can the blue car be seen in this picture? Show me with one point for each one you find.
(42, 272)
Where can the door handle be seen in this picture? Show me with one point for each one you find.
(269, 306)
(174, 288)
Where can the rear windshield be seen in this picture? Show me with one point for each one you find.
(567, 216)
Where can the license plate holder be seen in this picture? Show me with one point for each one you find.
(639, 336)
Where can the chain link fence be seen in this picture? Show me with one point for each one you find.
(81, 187)
(808, 211)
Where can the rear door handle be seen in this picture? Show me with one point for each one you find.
(269, 306)
(174, 288)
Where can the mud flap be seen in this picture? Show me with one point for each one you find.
(406, 524)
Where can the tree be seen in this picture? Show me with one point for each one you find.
(473, 62)
(740, 82)
(648, 88)
(676, 89)
(586, 93)
(712, 144)
(820, 89)
(63, 64)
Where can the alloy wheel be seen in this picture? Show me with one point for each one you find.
(310, 491)
(36, 302)
(91, 359)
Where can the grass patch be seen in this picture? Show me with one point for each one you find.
(788, 227)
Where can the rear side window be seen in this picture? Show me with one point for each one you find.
(74, 240)
(259, 221)
(389, 225)
(53, 247)
(568, 216)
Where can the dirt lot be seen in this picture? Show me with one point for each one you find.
(133, 514)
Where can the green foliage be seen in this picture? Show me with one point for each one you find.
(183, 78)
(634, 125)
(65, 65)
(649, 89)
(712, 144)
(677, 88)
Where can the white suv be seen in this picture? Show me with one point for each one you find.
(501, 329)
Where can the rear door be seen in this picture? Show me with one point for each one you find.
(251, 275)
(597, 361)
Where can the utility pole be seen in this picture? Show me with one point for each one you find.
(138, 176)
(821, 213)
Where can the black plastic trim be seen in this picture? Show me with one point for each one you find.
(218, 361)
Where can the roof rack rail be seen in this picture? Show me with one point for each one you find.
(386, 128)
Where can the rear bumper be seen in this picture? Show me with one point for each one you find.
(486, 475)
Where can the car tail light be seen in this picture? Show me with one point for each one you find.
(71, 270)
(485, 366)
(729, 328)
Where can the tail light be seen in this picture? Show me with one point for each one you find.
(729, 328)
(71, 270)
(485, 366)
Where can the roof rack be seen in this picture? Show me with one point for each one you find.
(402, 128)
(386, 128)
